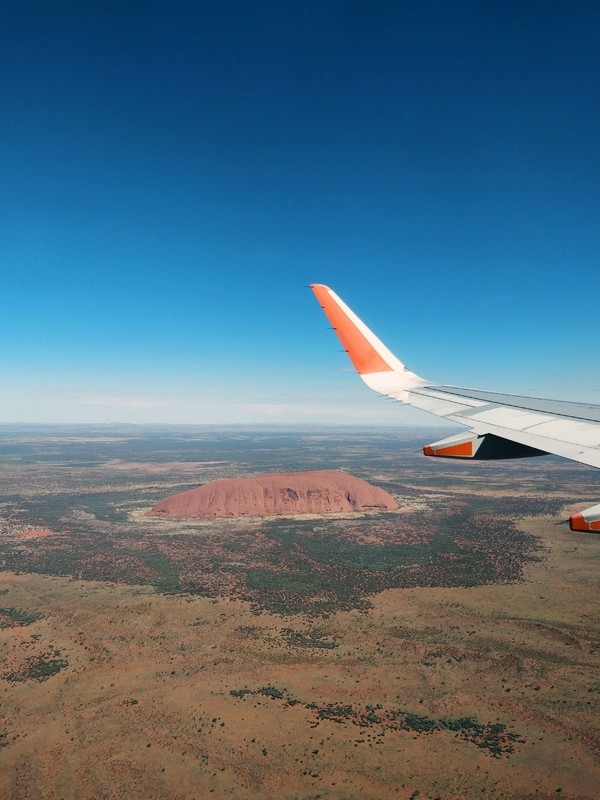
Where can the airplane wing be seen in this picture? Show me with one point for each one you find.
(501, 425)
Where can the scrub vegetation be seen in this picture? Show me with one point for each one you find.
(448, 649)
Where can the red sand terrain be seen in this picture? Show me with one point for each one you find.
(121, 692)
(314, 492)
(35, 533)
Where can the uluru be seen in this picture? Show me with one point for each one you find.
(276, 493)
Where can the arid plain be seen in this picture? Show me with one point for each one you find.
(450, 649)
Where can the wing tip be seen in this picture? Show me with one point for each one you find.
(366, 352)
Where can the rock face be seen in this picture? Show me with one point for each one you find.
(315, 492)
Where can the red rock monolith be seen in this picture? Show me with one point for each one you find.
(314, 492)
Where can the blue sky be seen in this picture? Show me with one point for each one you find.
(175, 174)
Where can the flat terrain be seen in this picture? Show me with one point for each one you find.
(446, 650)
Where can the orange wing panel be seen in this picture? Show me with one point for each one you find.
(578, 523)
(360, 351)
(463, 450)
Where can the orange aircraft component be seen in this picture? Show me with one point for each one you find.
(360, 350)
(462, 450)
(579, 523)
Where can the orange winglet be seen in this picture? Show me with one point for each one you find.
(360, 351)
(463, 450)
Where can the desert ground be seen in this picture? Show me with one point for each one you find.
(450, 649)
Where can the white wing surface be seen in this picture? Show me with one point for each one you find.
(501, 425)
